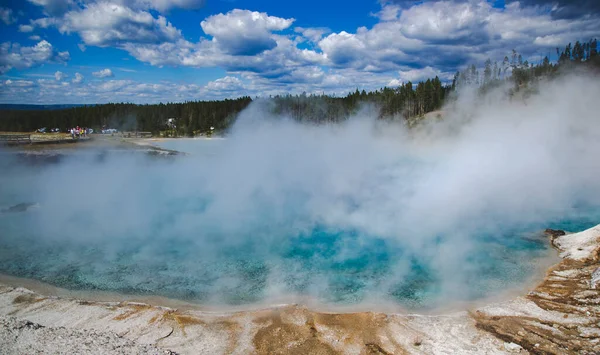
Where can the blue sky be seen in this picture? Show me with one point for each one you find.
(146, 51)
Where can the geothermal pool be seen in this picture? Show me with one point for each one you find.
(172, 245)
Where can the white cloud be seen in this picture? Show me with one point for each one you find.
(389, 12)
(35, 38)
(127, 70)
(274, 63)
(104, 73)
(446, 21)
(106, 24)
(227, 83)
(45, 22)
(567, 9)
(394, 83)
(6, 16)
(50, 87)
(110, 24)
(249, 84)
(411, 41)
(342, 47)
(54, 7)
(13, 55)
(19, 83)
(82, 47)
(59, 7)
(449, 34)
(113, 85)
(25, 28)
(165, 5)
(416, 75)
(313, 34)
(78, 78)
(59, 76)
(243, 32)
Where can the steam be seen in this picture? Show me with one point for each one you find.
(435, 195)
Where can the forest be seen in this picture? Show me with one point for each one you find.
(406, 101)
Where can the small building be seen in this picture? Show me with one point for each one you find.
(171, 123)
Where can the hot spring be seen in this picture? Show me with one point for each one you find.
(361, 213)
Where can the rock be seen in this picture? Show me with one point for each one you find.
(595, 279)
(553, 233)
(512, 347)
(25, 337)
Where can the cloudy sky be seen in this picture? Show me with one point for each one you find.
(146, 51)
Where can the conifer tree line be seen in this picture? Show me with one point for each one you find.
(403, 102)
(190, 117)
(521, 72)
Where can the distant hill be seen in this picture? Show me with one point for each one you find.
(31, 107)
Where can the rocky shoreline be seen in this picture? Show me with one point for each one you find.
(560, 316)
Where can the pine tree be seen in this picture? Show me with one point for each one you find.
(487, 72)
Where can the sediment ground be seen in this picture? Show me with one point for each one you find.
(560, 316)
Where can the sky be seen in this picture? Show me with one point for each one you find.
(150, 51)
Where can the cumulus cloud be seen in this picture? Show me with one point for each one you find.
(416, 75)
(296, 81)
(342, 47)
(35, 38)
(446, 22)
(25, 28)
(274, 63)
(394, 82)
(228, 83)
(410, 40)
(568, 9)
(59, 76)
(111, 24)
(389, 12)
(106, 24)
(13, 55)
(78, 78)
(59, 7)
(78, 90)
(47, 87)
(54, 7)
(104, 73)
(241, 39)
(113, 85)
(6, 16)
(449, 34)
(313, 34)
(243, 32)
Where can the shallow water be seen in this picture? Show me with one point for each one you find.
(149, 227)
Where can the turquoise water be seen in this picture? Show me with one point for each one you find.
(147, 227)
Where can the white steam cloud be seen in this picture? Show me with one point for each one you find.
(493, 164)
